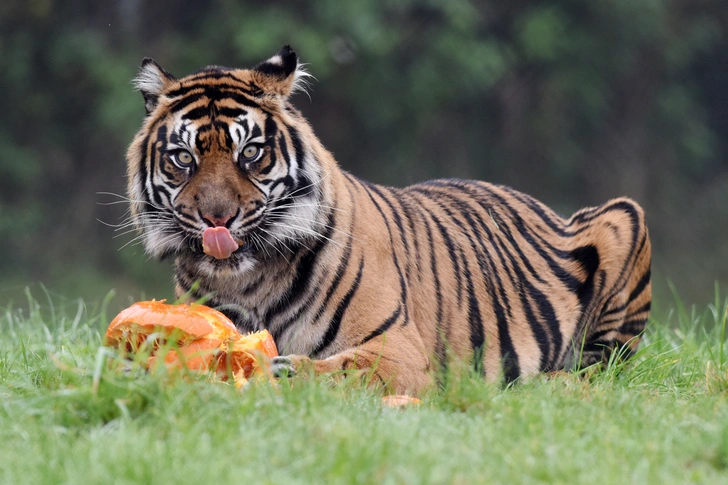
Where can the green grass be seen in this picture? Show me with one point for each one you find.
(70, 413)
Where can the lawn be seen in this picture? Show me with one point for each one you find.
(69, 413)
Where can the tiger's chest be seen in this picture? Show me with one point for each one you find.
(265, 298)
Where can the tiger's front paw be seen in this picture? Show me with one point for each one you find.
(289, 365)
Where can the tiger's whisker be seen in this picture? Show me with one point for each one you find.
(278, 240)
(289, 206)
(316, 235)
(304, 221)
(276, 248)
(291, 194)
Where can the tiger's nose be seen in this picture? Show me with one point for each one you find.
(217, 219)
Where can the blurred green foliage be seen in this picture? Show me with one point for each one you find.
(572, 101)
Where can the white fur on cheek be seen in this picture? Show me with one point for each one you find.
(136, 198)
(302, 218)
(157, 242)
(161, 232)
(299, 222)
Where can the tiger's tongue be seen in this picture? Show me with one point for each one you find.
(218, 243)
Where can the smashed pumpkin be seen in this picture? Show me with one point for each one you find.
(205, 339)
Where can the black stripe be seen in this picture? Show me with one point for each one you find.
(591, 214)
(255, 131)
(518, 280)
(550, 351)
(588, 257)
(475, 322)
(509, 357)
(614, 310)
(254, 285)
(547, 332)
(271, 130)
(168, 173)
(511, 366)
(206, 88)
(183, 223)
(214, 96)
(451, 252)
(440, 340)
(272, 162)
(407, 211)
(632, 255)
(181, 104)
(333, 329)
(600, 333)
(398, 221)
(609, 321)
(384, 326)
(144, 159)
(403, 285)
(641, 285)
(633, 327)
(340, 270)
(304, 272)
(234, 94)
(197, 113)
(644, 308)
(289, 183)
(550, 218)
(257, 204)
(599, 347)
(630, 209)
(342, 266)
(562, 274)
(157, 154)
(283, 147)
(297, 147)
(201, 81)
(216, 72)
(231, 112)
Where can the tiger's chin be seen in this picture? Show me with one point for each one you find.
(235, 265)
(241, 261)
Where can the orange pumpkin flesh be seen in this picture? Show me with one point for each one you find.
(206, 339)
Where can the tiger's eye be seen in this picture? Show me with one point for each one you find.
(183, 159)
(250, 151)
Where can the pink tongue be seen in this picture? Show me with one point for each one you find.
(218, 243)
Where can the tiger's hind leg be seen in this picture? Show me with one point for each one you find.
(621, 307)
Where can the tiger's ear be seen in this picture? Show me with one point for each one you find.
(151, 81)
(282, 74)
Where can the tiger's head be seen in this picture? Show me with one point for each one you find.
(224, 167)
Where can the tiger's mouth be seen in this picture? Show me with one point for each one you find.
(219, 243)
(240, 244)
(244, 248)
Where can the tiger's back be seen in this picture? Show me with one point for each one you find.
(348, 274)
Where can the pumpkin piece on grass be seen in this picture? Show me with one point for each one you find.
(395, 401)
(207, 339)
(191, 321)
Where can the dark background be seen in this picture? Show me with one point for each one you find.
(572, 101)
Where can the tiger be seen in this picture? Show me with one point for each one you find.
(227, 177)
